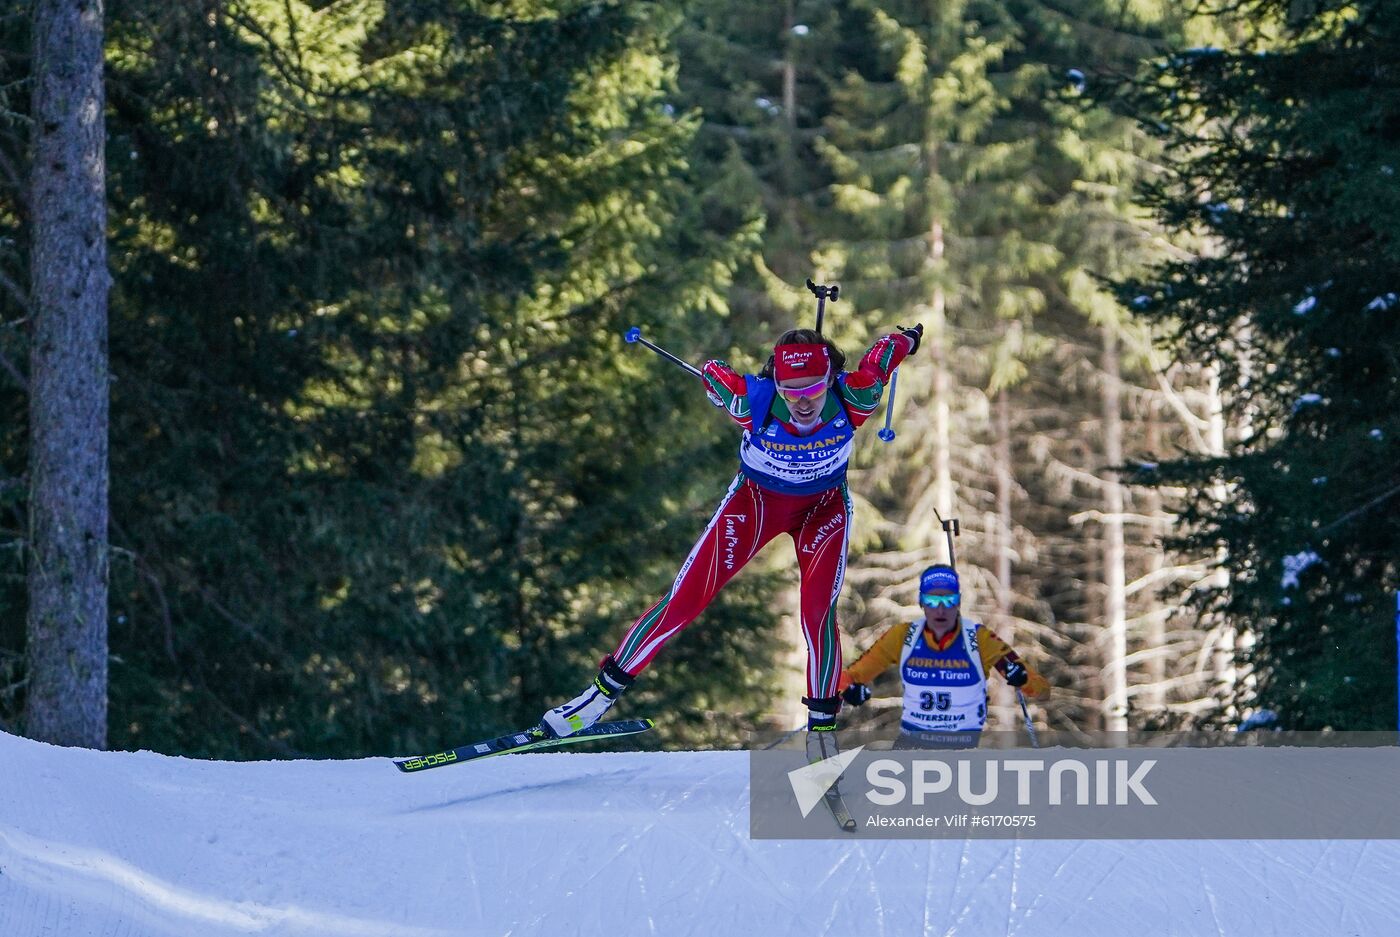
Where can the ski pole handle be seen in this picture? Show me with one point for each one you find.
(887, 434)
(823, 293)
(951, 529)
(1030, 729)
(634, 335)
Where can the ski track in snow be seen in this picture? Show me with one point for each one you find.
(117, 844)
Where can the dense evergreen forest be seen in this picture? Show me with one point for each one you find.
(384, 473)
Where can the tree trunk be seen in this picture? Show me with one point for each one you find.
(1005, 479)
(789, 70)
(937, 333)
(67, 576)
(1155, 696)
(788, 709)
(942, 385)
(1227, 671)
(1004, 697)
(1115, 577)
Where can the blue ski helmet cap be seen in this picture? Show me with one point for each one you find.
(939, 577)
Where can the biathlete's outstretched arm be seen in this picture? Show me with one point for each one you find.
(861, 389)
(726, 388)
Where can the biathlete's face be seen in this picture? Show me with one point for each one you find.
(805, 397)
(940, 609)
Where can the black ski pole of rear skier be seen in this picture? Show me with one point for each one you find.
(951, 529)
(823, 293)
(887, 434)
(1030, 727)
(634, 334)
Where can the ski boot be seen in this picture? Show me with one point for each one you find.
(821, 728)
(589, 706)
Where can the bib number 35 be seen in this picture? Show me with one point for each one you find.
(928, 701)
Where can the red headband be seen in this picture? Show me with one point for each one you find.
(793, 362)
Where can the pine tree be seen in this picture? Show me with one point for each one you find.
(760, 76)
(1281, 152)
(985, 199)
(383, 471)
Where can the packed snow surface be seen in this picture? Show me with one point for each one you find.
(127, 844)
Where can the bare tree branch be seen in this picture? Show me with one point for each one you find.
(19, 295)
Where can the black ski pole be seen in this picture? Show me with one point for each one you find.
(951, 529)
(634, 334)
(1030, 727)
(823, 293)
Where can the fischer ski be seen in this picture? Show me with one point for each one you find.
(530, 740)
(837, 804)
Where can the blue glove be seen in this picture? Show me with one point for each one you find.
(1015, 673)
(856, 694)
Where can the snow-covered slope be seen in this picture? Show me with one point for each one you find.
(106, 843)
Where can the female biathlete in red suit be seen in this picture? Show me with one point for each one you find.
(799, 417)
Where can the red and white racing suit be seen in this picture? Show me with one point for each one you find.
(787, 483)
